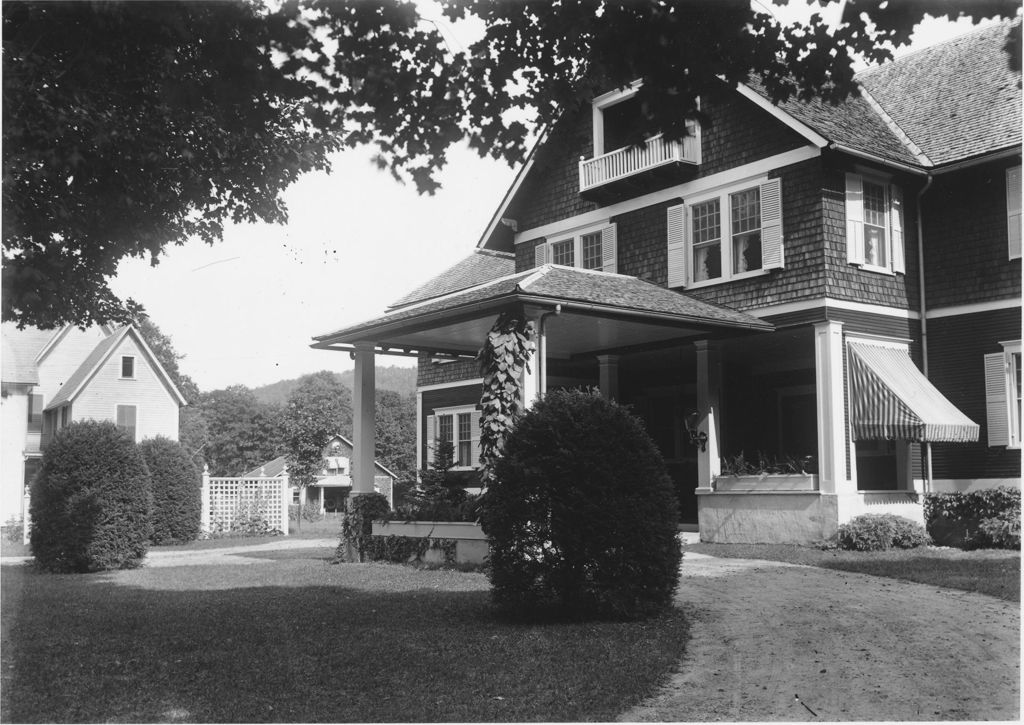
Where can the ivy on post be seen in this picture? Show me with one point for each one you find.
(503, 358)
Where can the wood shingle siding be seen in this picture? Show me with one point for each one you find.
(956, 350)
(429, 372)
(966, 241)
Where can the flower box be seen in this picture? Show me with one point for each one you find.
(470, 540)
(766, 482)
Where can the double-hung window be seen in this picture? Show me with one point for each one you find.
(590, 248)
(1003, 395)
(458, 427)
(127, 366)
(874, 224)
(725, 235)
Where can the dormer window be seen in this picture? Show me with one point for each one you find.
(615, 116)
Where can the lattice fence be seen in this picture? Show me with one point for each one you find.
(252, 505)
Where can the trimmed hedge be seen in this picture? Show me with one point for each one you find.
(177, 491)
(878, 532)
(91, 501)
(581, 517)
(986, 519)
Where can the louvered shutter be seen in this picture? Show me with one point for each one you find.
(996, 403)
(677, 252)
(772, 251)
(854, 219)
(1013, 191)
(474, 426)
(540, 254)
(609, 249)
(428, 457)
(899, 264)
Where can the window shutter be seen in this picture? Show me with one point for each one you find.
(677, 253)
(1013, 192)
(773, 254)
(428, 456)
(126, 419)
(609, 249)
(540, 254)
(997, 408)
(474, 426)
(854, 219)
(899, 264)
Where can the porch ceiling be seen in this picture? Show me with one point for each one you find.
(597, 312)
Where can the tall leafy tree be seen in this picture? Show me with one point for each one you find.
(131, 126)
(396, 432)
(241, 432)
(165, 352)
(319, 408)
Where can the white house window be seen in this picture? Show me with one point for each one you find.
(734, 233)
(1013, 201)
(590, 248)
(460, 427)
(127, 366)
(1003, 395)
(35, 412)
(126, 418)
(874, 224)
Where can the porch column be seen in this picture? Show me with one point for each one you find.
(609, 376)
(709, 375)
(533, 378)
(363, 426)
(828, 377)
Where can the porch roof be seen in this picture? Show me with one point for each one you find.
(892, 400)
(599, 312)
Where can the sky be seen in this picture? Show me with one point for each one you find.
(244, 311)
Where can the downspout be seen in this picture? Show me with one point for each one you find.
(542, 348)
(924, 319)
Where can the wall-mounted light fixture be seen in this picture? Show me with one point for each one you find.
(697, 436)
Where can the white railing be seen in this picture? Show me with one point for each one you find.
(230, 503)
(625, 162)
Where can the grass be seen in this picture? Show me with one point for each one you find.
(299, 640)
(991, 571)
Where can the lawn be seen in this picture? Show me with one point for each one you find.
(299, 640)
(991, 571)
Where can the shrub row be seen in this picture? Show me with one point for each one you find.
(988, 518)
(97, 502)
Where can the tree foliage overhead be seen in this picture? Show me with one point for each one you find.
(128, 127)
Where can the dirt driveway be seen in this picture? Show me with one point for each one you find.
(851, 646)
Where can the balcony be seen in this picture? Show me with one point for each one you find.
(658, 160)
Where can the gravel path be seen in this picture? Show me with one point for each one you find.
(851, 646)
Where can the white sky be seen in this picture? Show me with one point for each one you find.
(245, 310)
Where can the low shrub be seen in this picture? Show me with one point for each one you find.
(976, 519)
(581, 517)
(309, 511)
(357, 525)
(13, 530)
(468, 510)
(91, 501)
(177, 491)
(408, 549)
(879, 532)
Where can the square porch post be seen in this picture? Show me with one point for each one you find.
(828, 378)
(363, 425)
(608, 380)
(709, 462)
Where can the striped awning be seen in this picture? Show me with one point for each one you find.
(890, 399)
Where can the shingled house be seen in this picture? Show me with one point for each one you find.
(837, 286)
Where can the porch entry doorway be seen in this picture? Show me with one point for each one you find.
(663, 411)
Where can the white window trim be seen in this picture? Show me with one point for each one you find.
(604, 101)
(576, 235)
(1013, 420)
(885, 181)
(725, 217)
(134, 368)
(455, 411)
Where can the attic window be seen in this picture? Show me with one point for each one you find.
(127, 366)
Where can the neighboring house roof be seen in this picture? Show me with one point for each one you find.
(955, 100)
(78, 380)
(481, 266)
(276, 467)
(21, 349)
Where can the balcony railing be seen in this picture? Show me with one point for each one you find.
(625, 162)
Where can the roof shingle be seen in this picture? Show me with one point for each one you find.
(481, 266)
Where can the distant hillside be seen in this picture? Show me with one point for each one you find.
(390, 377)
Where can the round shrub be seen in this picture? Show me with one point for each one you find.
(878, 532)
(91, 501)
(177, 491)
(581, 518)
